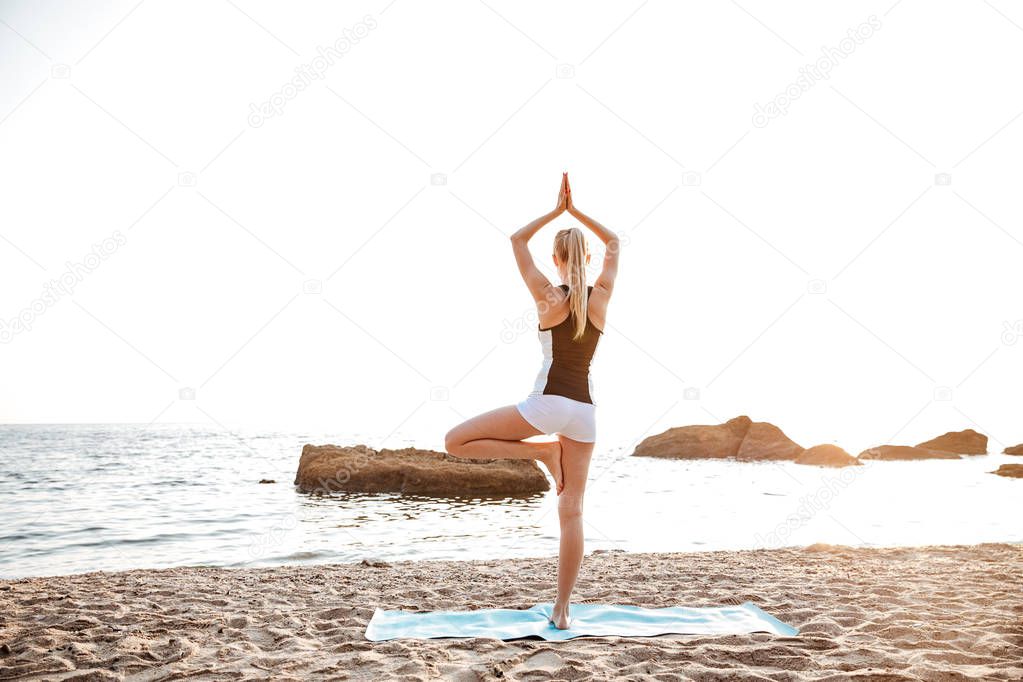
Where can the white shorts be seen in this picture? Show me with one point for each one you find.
(558, 414)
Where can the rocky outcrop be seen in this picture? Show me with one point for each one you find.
(1010, 470)
(765, 441)
(1014, 450)
(827, 456)
(904, 452)
(967, 442)
(697, 442)
(739, 438)
(358, 468)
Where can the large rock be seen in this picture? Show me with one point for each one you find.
(740, 438)
(967, 442)
(765, 441)
(1010, 470)
(1014, 450)
(697, 442)
(329, 468)
(827, 456)
(905, 452)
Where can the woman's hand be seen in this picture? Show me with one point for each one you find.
(568, 196)
(562, 195)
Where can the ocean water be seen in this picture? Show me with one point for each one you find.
(77, 498)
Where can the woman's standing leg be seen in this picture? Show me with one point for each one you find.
(575, 467)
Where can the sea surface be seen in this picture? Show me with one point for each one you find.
(77, 498)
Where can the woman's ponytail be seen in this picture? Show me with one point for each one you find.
(570, 247)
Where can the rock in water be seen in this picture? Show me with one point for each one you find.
(697, 442)
(1014, 450)
(1010, 470)
(967, 442)
(765, 441)
(358, 468)
(740, 438)
(827, 455)
(905, 452)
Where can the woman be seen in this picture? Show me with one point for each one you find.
(571, 321)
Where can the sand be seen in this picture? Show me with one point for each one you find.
(935, 613)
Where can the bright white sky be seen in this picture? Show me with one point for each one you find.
(106, 111)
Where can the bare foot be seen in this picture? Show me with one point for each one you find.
(552, 460)
(559, 617)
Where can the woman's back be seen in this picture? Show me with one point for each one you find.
(566, 360)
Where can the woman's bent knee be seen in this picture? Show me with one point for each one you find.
(453, 442)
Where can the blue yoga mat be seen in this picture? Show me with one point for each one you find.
(597, 620)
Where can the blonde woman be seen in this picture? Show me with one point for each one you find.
(571, 322)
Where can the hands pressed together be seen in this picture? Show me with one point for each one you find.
(565, 203)
(564, 197)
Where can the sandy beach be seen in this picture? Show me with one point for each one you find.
(934, 613)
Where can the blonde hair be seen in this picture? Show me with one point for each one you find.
(570, 249)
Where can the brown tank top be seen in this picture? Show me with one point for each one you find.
(566, 366)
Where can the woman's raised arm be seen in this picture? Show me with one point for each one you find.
(538, 284)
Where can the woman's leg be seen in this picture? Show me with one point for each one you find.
(575, 464)
(498, 434)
